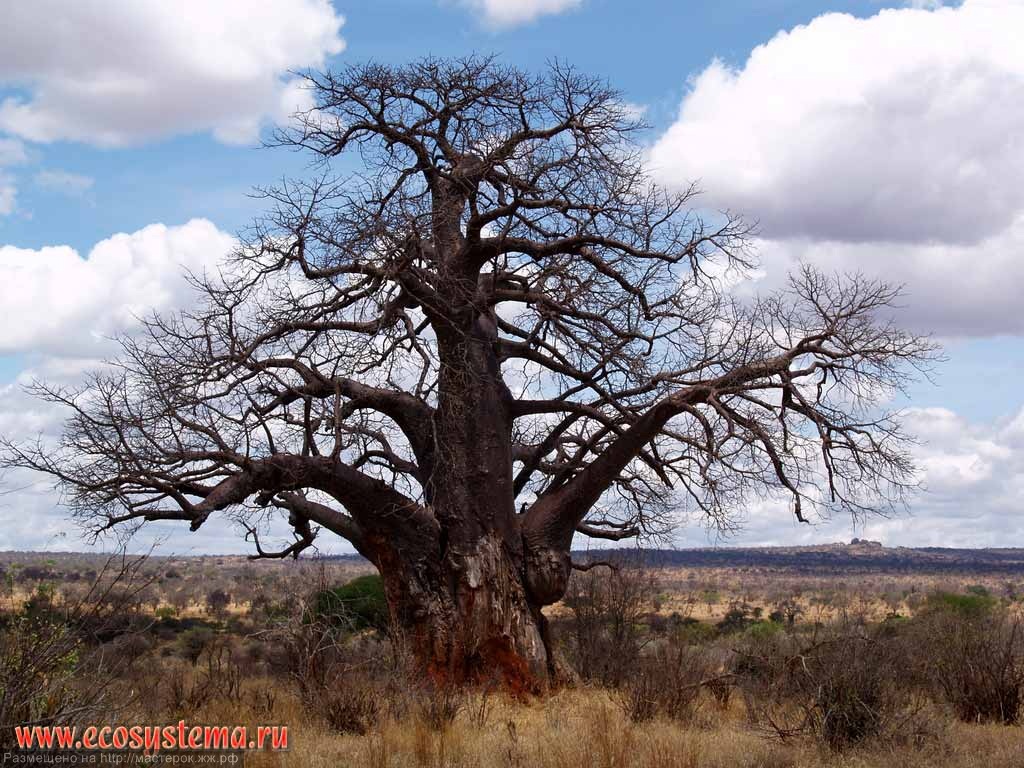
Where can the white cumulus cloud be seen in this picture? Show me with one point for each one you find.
(950, 289)
(511, 13)
(115, 72)
(905, 126)
(57, 302)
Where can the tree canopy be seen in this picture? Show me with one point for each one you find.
(497, 324)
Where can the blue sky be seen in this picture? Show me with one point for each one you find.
(904, 199)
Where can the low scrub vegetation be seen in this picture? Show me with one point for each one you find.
(760, 684)
(973, 655)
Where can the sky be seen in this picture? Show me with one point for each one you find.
(879, 137)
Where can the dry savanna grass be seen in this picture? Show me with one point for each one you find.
(585, 728)
(694, 667)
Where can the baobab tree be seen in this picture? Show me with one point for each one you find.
(494, 335)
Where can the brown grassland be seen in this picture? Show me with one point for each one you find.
(752, 665)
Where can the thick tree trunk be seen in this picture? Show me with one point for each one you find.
(469, 594)
(471, 610)
(470, 619)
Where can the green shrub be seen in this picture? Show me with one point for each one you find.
(690, 631)
(359, 604)
(970, 606)
(764, 629)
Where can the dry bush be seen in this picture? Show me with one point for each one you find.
(668, 683)
(219, 678)
(262, 700)
(640, 699)
(332, 670)
(183, 694)
(217, 602)
(972, 653)
(193, 643)
(437, 705)
(57, 664)
(606, 627)
(222, 672)
(352, 706)
(313, 648)
(841, 686)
